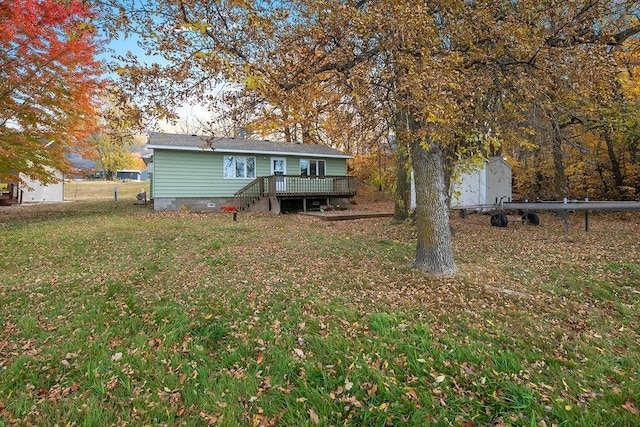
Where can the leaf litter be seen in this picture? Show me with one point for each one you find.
(527, 318)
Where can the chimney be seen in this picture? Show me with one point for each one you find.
(241, 132)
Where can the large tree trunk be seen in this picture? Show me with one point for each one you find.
(434, 252)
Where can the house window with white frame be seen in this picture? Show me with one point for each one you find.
(310, 167)
(239, 167)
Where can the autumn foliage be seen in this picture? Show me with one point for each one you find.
(48, 78)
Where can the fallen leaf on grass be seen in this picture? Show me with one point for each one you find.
(210, 419)
(348, 385)
(630, 406)
(116, 357)
(154, 342)
(314, 417)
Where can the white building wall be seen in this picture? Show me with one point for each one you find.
(498, 181)
(36, 192)
(468, 189)
(478, 187)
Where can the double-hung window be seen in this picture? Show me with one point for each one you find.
(239, 167)
(310, 167)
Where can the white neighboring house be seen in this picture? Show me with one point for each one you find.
(37, 192)
(480, 187)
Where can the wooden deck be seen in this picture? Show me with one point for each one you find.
(296, 187)
(347, 215)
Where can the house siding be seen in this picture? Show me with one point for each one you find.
(191, 174)
(334, 166)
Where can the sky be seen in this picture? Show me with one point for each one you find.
(188, 113)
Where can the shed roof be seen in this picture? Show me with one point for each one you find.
(172, 141)
(499, 160)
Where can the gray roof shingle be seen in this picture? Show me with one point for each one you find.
(194, 142)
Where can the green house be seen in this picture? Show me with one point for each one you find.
(203, 173)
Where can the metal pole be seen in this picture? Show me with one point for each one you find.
(586, 215)
(566, 218)
(115, 193)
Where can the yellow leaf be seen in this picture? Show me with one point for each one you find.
(568, 407)
(383, 406)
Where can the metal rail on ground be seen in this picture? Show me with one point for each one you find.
(565, 206)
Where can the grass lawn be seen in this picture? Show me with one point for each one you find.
(103, 190)
(113, 314)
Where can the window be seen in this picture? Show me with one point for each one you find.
(239, 167)
(312, 167)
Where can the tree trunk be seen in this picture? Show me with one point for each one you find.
(402, 202)
(560, 184)
(403, 184)
(615, 163)
(633, 150)
(434, 252)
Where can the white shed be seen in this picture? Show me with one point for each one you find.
(484, 185)
(37, 192)
(478, 187)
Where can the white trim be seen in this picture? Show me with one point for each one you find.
(255, 163)
(308, 160)
(284, 163)
(281, 183)
(235, 150)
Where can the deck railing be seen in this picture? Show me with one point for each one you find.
(296, 186)
(252, 192)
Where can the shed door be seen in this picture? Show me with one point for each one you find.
(279, 169)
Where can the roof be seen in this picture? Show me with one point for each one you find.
(500, 160)
(183, 142)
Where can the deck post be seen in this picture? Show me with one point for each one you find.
(304, 204)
